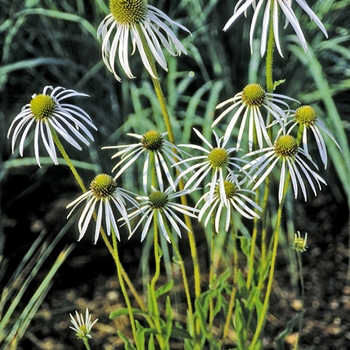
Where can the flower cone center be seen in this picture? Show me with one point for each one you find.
(218, 157)
(253, 95)
(306, 115)
(128, 11)
(286, 146)
(83, 329)
(42, 106)
(158, 199)
(152, 140)
(103, 186)
(230, 189)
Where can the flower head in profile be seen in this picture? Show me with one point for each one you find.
(247, 107)
(80, 326)
(161, 207)
(142, 24)
(299, 243)
(154, 145)
(216, 160)
(278, 5)
(104, 195)
(286, 152)
(47, 114)
(237, 201)
(306, 118)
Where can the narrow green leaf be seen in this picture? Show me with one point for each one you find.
(140, 334)
(201, 316)
(125, 311)
(164, 288)
(222, 279)
(242, 285)
(127, 343)
(280, 339)
(59, 15)
(180, 333)
(218, 304)
(169, 317)
(240, 326)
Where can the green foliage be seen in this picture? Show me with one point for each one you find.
(16, 317)
(280, 339)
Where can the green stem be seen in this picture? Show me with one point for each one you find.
(193, 249)
(86, 343)
(302, 297)
(155, 306)
(155, 278)
(126, 277)
(157, 87)
(252, 247)
(164, 109)
(275, 236)
(196, 270)
(123, 272)
(211, 273)
(66, 158)
(184, 275)
(234, 285)
(124, 291)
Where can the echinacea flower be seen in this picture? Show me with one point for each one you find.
(48, 114)
(299, 243)
(277, 5)
(306, 118)
(161, 206)
(237, 202)
(105, 194)
(216, 160)
(153, 144)
(82, 327)
(247, 106)
(285, 151)
(142, 24)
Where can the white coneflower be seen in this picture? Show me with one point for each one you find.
(82, 327)
(306, 118)
(162, 207)
(152, 143)
(277, 5)
(46, 112)
(248, 106)
(299, 243)
(285, 151)
(216, 160)
(142, 24)
(237, 201)
(105, 193)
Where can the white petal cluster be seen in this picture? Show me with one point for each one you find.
(116, 38)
